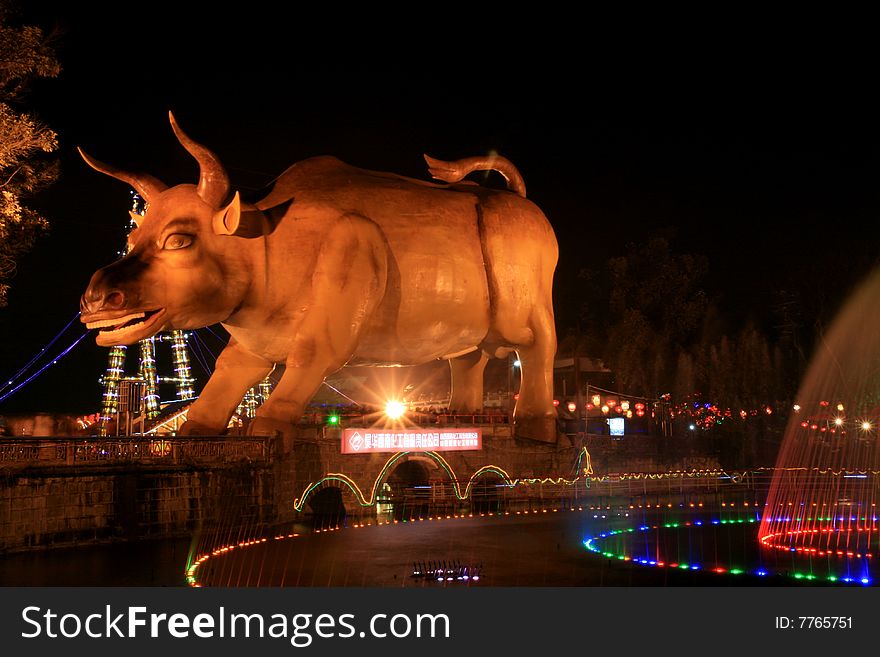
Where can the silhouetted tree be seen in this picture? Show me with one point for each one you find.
(24, 56)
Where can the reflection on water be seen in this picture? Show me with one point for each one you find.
(145, 563)
(542, 547)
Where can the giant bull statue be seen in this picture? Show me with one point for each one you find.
(338, 266)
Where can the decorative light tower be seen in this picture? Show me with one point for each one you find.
(147, 371)
(254, 398)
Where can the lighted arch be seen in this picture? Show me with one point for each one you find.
(583, 466)
(369, 500)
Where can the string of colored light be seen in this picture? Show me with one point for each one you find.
(661, 475)
(591, 544)
(770, 541)
(366, 501)
(369, 500)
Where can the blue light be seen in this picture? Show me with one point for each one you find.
(865, 580)
(761, 572)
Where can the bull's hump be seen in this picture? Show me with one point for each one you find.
(326, 174)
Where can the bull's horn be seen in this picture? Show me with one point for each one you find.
(145, 185)
(213, 182)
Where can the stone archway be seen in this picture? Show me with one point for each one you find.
(486, 495)
(327, 508)
(409, 489)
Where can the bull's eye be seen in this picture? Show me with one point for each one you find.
(177, 241)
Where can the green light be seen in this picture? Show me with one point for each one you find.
(832, 578)
(683, 566)
(333, 419)
(735, 571)
(798, 576)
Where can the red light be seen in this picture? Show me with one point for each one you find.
(640, 406)
(556, 402)
(640, 413)
(571, 407)
(516, 396)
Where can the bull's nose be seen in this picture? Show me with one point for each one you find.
(95, 300)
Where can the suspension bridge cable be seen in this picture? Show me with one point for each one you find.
(205, 345)
(40, 353)
(42, 369)
(339, 392)
(198, 355)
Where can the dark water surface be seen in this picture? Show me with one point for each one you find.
(537, 549)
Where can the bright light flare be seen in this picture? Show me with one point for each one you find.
(394, 409)
(866, 426)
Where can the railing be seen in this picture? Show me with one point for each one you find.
(71, 451)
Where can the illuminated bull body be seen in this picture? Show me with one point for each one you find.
(338, 266)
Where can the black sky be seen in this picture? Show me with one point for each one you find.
(767, 165)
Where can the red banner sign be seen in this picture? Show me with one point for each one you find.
(367, 441)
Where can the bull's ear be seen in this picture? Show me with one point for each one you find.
(226, 219)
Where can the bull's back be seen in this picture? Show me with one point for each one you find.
(437, 300)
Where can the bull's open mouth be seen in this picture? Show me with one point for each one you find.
(118, 330)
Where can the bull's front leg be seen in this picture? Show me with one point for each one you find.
(236, 371)
(346, 286)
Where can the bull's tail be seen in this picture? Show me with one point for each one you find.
(453, 172)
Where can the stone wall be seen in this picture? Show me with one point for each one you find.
(64, 491)
(70, 491)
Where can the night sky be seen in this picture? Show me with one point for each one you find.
(769, 168)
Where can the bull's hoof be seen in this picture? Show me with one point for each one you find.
(264, 426)
(191, 428)
(536, 428)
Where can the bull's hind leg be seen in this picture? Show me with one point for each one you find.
(520, 252)
(535, 414)
(467, 381)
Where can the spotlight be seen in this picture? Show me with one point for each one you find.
(866, 426)
(394, 409)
